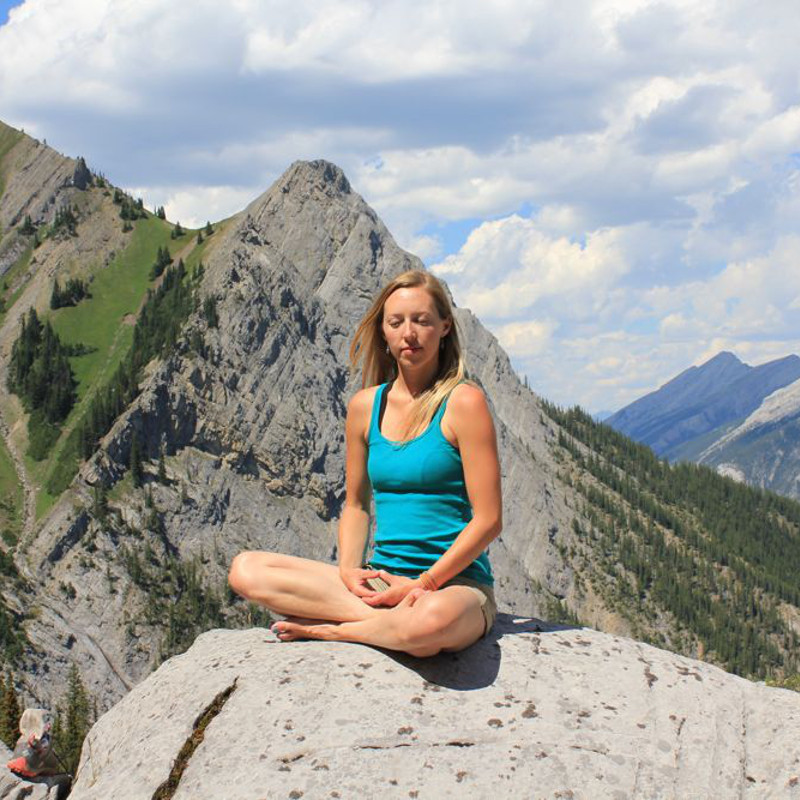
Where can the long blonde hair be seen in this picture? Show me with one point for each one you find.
(368, 349)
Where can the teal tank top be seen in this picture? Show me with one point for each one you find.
(421, 501)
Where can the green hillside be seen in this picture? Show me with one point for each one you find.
(692, 559)
(104, 325)
(11, 499)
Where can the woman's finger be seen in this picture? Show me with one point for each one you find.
(368, 573)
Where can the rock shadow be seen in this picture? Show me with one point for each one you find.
(477, 666)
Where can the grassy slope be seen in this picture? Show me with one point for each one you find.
(11, 499)
(100, 322)
(9, 278)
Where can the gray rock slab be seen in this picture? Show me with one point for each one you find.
(532, 711)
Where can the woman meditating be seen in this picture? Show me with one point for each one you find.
(422, 442)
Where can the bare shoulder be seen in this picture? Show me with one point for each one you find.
(359, 409)
(362, 400)
(467, 416)
(467, 399)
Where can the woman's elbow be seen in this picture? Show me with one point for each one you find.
(492, 525)
(497, 527)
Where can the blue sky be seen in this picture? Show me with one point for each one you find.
(613, 186)
(5, 7)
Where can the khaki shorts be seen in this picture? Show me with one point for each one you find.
(484, 592)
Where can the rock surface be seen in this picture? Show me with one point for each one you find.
(531, 711)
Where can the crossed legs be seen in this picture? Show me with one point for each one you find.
(319, 606)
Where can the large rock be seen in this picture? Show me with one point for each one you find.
(532, 711)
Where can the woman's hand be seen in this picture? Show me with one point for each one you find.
(399, 587)
(354, 579)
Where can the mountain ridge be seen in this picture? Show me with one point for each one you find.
(701, 399)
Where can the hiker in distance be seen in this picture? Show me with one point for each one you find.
(422, 442)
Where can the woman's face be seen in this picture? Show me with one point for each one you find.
(412, 326)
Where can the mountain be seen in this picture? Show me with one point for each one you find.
(764, 449)
(696, 407)
(211, 384)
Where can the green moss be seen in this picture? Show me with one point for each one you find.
(195, 739)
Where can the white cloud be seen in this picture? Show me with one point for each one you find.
(193, 206)
(526, 339)
(652, 145)
(508, 266)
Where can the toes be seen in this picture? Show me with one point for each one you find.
(283, 631)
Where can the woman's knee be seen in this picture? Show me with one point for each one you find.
(247, 571)
(428, 621)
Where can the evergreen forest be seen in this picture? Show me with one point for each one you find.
(717, 558)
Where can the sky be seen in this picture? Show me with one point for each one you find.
(613, 187)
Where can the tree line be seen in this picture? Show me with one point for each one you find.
(40, 374)
(719, 556)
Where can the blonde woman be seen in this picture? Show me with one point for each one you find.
(420, 441)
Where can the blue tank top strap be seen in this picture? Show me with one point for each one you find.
(437, 417)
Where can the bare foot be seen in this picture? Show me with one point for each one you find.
(288, 631)
(306, 620)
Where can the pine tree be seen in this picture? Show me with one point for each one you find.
(27, 228)
(9, 710)
(73, 721)
(209, 229)
(161, 213)
(135, 462)
(100, 503)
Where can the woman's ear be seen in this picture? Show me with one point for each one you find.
(448, 324)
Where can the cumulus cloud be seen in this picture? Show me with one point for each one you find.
(507, 267)
(629, 168)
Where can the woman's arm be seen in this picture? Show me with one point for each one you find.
(354, 522)
(468, 421)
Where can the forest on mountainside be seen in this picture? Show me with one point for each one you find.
(718, 558)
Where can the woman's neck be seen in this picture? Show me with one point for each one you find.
(414, 382)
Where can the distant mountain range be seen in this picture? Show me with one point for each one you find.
(742, 420)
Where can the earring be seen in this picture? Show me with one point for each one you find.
(388, 351)
(441, 344)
